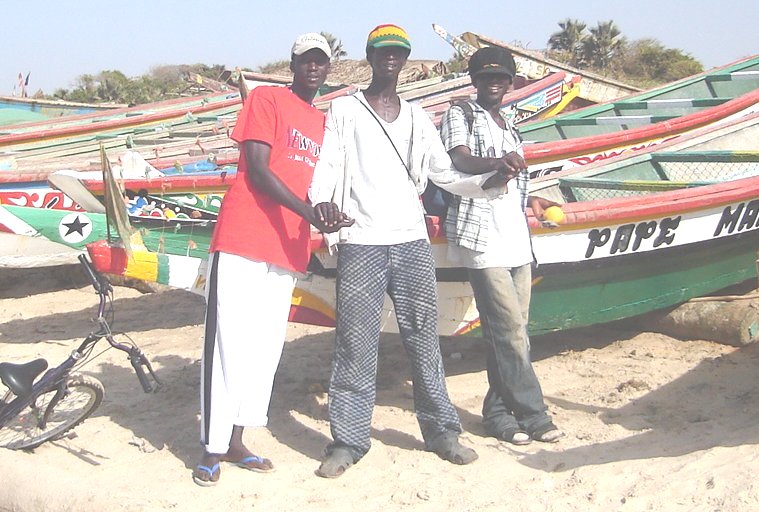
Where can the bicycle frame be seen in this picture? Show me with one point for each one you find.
(55, 378)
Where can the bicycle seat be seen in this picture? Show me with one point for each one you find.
(20, 377)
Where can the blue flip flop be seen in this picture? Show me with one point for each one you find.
(245, 464)
(205, 476)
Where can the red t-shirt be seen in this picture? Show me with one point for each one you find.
(251, 223)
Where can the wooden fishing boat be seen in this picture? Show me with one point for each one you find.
(74, 230)
(708, 89)
(179, 142)
(612, 259)
(611, 136)
(17, 109)
(176, 140)
(591, 87)
(638, 121)
(166, 187)
(543, 158)
(675, 222)
(737, 136)
(119, 135)
(633, 121)
(95, 121)
(36, 190)
(204, 188)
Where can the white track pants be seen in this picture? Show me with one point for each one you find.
(248, 303)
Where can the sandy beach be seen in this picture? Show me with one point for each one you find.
(652, 422)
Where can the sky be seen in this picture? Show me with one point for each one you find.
(57, 41)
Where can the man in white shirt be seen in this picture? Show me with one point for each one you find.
(377, 154)
(491, 238)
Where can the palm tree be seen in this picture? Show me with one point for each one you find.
(111, 85)
(336, 45)
(569, 41)
(603, 43)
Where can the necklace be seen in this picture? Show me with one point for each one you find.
(502, 131)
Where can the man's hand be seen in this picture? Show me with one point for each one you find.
(539, 205)
(497, 180)
(510, 164)
(328, 218)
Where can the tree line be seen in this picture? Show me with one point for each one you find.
(602, 49)
(162, 82)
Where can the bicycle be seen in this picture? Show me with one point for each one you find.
(34, 411)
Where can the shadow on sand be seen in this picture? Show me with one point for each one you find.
(167, 310)
(672, 420)
(675, 419)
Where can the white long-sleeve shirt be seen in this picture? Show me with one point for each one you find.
(359, 170)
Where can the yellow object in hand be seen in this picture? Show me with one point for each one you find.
(554, 214)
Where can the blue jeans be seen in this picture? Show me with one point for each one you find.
(514, 399)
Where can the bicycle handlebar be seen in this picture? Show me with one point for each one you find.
(141, 376)
(138, 361)
(136, 357)
(99, 282)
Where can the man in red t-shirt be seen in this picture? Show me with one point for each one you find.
(260, 243)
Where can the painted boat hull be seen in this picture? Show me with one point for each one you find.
(46, 109)
(692, 242)
(77, 229)
(543, 158)
(611, 259)
(577, 294)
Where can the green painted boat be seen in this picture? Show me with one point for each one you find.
(639, 121)
(187, 237)
(18, 109)
(621, 122)
(609, 135)
(674, 225)
(676, 100)
(112, 118)
(612, 258)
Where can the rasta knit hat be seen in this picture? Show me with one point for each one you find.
(388, 35)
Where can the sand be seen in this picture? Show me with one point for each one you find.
(652, 423)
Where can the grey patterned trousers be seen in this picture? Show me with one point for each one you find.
(407, 273)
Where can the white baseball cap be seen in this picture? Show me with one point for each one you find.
(309, 41)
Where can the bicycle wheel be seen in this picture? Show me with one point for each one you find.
(83, 395)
